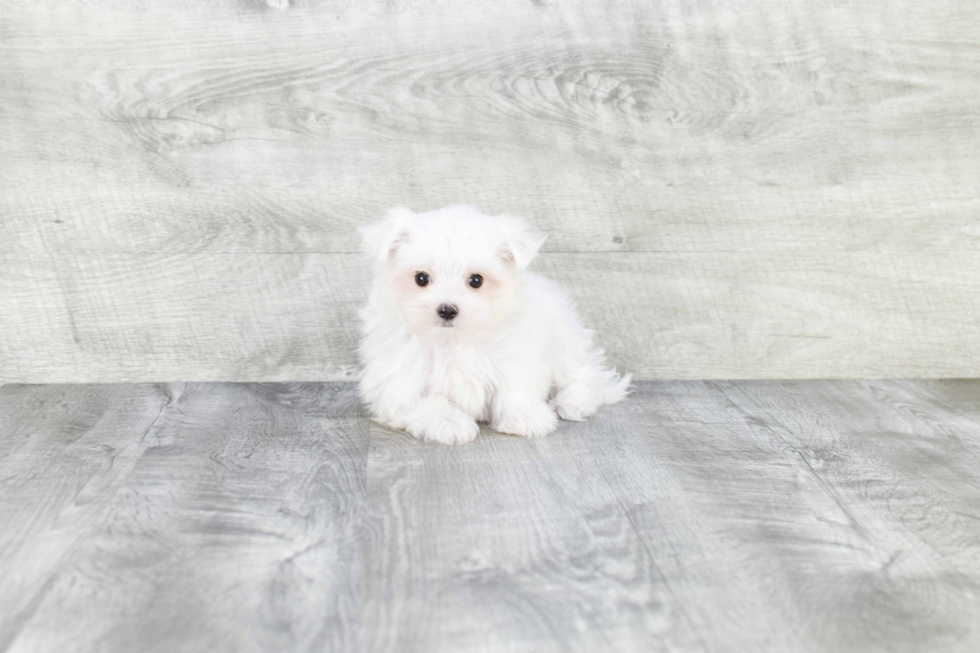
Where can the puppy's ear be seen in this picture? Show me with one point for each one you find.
(380, 239)
(521, 241)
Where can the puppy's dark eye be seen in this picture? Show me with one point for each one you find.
(476, 281)
(422, 278)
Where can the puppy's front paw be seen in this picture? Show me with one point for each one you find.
(532, 421)
(452, 428)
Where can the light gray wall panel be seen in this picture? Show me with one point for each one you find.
(746, 189)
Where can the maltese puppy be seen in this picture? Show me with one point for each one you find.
(457, 331)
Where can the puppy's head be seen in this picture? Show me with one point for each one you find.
(452, 274)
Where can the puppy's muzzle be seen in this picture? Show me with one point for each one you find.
(448, 311)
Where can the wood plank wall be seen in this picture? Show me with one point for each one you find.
(732, 189)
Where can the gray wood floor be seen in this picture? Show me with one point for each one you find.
(701, 516)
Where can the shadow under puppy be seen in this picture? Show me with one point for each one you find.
(457, 331)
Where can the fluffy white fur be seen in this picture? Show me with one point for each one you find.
(516, 355)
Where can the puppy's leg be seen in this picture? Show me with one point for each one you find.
(520, 406)
(529, 419)
(396, 397)
(589, 386)
(580, 399)
(435, 419)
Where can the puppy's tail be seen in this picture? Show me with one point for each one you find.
(615, 387)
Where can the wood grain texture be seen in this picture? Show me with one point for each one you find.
(696, 516)
(507, 545)
(126, 316)
(63, 454)
(237, 528)
(900, 469)
(797, 179)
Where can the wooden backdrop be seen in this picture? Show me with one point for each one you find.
(732, 188)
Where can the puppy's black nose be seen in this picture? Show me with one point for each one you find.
(447, 311)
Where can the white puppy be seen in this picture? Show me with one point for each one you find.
(457, 332)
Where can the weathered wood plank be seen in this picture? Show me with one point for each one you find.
(720, 315)
(696, 516)
(905, 475)
(796, 514)
(64, 451)
(707, 497)
(962, 395)
(909, 455)
(507, 544)
(253, 137)
(820, 143)
(237, 530)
